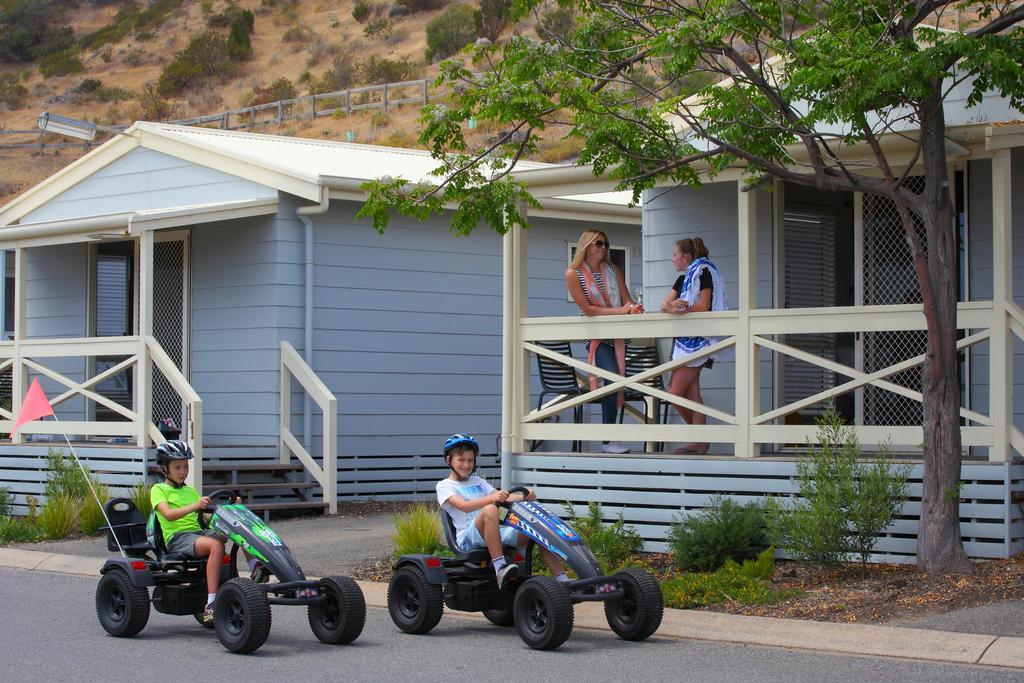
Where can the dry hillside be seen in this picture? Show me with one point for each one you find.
(300, 40)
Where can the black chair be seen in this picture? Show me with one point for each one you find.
(558, 379)
(475, 556)
(127, 524)
(641, 359)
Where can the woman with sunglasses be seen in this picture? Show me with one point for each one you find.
(598, 288)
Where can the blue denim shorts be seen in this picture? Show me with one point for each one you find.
(473, 540)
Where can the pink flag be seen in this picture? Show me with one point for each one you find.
(33, 407)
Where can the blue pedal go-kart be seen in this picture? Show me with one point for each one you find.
(540, 607)
(335, 604)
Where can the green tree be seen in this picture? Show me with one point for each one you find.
(450, 31)
(808, 79)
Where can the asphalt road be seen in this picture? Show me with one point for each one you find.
(48, 631)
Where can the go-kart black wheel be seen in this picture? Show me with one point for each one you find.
(241, 616)
(415, 604)
(499, 617)
(543, 613)
(341, 617)
(637, 614)
(121, 606)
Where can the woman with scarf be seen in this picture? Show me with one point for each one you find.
(700, 288)
(599, 289)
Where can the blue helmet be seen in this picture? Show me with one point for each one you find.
(456, 439)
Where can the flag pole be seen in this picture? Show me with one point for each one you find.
(88, 481)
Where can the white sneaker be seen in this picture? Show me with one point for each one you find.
(510, 570)
(616, 447)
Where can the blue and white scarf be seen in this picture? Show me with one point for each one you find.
(719, 302)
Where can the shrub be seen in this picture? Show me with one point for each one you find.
(30, 29)
(18, 530)
(450, 31)
(726, 531)
(341, 75)
(492, 18)
(418, 531)
(155, 107)
(63, 476)
(844, 504)
(557, 24)
(380, 26)
(90, 517)
(362, 10)
(207, 56)
(134, 57)
(239, 45)
(131, 18)
(298, 34)
(63, 63)
(612, 544)
(59, 516)
(12, 93)
(5, 501)
(744, 583)
(140, 496)
(377, 70)
(422, 5)
(281, 89)
(113, 94)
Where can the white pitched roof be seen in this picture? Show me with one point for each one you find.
(312, 159)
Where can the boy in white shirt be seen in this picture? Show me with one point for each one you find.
(471, 502)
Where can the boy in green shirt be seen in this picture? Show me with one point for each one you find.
(177, 506)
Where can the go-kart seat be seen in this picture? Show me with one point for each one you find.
(127, 525)
(160, 547)
(475, 555)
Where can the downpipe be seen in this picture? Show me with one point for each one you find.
(303, 213)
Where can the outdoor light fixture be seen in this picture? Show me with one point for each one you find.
(63, 125)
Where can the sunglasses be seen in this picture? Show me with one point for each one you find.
(599, 244)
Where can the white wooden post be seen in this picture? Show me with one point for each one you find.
(19, 378)
(1001, 344)
(748, 371)
(285, 414)
(514, 368)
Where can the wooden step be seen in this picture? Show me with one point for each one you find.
(269, 466)
(263, 486)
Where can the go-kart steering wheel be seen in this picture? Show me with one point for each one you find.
(517, 489)
(222, 496)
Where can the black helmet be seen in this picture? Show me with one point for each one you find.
(172, 450)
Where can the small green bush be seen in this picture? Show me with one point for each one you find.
(844, 504)
(18, 530)
(450, 31)
(139, 495)
(63, 476)
(5, 501)
(134, 57)
(12, 93)
(239, 44)
(63, 63)
(745, 583)
(362, 10)
(492, 18)
(59, 516)
(612, 544)
(381, 26)
(90, 518)
(418, 531)
(725, 531)
(377, 70)
(32, 29)
(422, 5)
(207, 57)
(281, 89)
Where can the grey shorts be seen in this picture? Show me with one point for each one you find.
(185, 541)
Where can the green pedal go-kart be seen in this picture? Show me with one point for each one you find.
(540, 607)
(242, 616)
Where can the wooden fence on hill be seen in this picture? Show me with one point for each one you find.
(380, 97)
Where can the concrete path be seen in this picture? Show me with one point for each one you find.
(852, 639)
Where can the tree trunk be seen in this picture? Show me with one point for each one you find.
(939, 544)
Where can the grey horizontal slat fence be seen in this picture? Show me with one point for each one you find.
(651, 492)
(23, 469)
